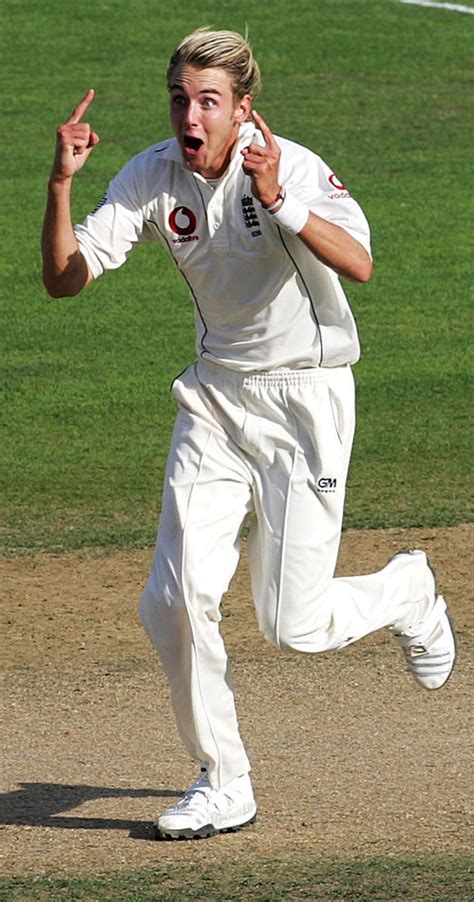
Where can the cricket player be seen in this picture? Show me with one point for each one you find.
(262, 231)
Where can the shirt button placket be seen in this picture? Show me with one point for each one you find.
(216, 223)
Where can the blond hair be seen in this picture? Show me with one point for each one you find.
(227, 50)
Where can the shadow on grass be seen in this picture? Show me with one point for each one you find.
(43, 804)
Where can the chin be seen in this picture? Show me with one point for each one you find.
(196, 167)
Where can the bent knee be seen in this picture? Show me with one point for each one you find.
(283, 640)
(292, 638)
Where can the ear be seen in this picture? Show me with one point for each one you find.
(243, 108)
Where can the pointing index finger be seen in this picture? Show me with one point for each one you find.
(266, 132)
(81, 108)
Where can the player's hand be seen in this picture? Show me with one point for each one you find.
(261, 163)
(75, 140)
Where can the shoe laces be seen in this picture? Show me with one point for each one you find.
(197, 795)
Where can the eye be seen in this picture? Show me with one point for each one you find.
(178, 100)
(208, 102)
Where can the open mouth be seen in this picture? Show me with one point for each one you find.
(192, 144)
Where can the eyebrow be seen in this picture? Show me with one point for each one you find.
(178, 87)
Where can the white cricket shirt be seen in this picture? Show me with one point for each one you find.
(262, 299)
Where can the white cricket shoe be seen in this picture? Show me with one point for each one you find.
(204, 811)
(426, 635)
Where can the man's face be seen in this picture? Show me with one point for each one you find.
(206, 116)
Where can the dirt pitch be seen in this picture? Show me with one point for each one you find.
(349, 756)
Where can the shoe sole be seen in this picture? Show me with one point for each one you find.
(202, 833)
(451, 627)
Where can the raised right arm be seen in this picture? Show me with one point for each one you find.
(65, 271)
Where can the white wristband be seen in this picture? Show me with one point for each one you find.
(292, 215)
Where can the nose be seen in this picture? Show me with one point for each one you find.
(191, 115)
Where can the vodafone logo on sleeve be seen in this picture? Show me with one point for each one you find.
(182, 221)
(335, 182)
(341, 189)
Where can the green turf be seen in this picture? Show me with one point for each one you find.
(443, 879)
(382, 91)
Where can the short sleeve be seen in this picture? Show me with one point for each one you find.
(108, 234)
(310, 179)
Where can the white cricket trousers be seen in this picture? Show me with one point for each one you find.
(276, 443)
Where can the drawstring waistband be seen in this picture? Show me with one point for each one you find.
(284, 376)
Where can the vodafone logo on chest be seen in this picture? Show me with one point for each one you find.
(182, 221)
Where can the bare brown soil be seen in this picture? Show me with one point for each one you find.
(349, 756)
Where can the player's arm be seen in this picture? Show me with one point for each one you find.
(336, 248)
(65, 271)
(328, 242)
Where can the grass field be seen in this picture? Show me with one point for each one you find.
(383, 91)
(357, 881)
(379, 89)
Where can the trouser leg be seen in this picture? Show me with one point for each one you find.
(206, 498)
(299, 603)
(286, 437)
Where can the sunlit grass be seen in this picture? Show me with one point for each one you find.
(380, 90)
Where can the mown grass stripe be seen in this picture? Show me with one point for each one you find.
(434, 878)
